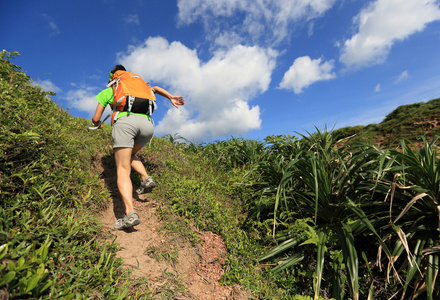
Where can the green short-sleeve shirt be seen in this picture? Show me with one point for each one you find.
(105, 97)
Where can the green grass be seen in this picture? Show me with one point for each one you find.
(406, 122)
(197, 194)
(49, 232)
(324, 211)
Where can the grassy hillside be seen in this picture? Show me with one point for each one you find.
(405, 122)
(51, 239)
(49, 234)
(300, 217)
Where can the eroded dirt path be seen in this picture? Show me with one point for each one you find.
(166, 261)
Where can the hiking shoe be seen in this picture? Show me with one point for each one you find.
(127, 221)
(146, 186)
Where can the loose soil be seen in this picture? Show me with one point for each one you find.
(167, 262)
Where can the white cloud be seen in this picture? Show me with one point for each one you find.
(52, 25)
(267, 19)
(228, 40)
(404, 75)
(82, 99)
(383, 23)
(236, 120)
(47, 85)
(305, 71)
(377, 88)
(310, 29)
(132, 19)
(217, 92)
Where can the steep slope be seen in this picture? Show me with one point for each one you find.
(168, 263)
(406, 121)
(58, 204)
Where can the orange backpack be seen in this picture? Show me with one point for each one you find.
(131, 93)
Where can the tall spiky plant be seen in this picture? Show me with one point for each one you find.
(330, 178)
(415, 220)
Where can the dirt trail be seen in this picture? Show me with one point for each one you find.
(191, 272)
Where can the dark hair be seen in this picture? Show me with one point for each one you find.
(118, 68)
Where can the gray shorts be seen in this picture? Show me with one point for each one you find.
(132, 129)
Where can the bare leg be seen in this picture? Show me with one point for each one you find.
(123, 169)
(137, 165)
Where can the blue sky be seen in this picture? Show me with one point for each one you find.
(247, 68)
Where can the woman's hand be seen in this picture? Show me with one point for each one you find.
(177, 100)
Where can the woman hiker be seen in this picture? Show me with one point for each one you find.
(130, 132)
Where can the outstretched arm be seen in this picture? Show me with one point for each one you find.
(175, 100)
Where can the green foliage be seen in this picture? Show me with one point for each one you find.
(201, 195)
(162, 254)
(49, 196)
(299, 297)
(340, 190)
(405, 122)
(320, 199)
(232, 153)
(414, 225)
(321, 184)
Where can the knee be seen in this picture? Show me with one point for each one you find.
(123, 170)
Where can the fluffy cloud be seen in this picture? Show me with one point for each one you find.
(267, 19)
(383, 23)
(47, 85)
(217, 92)
(82, 98)
(235, 120)
(306, 71)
